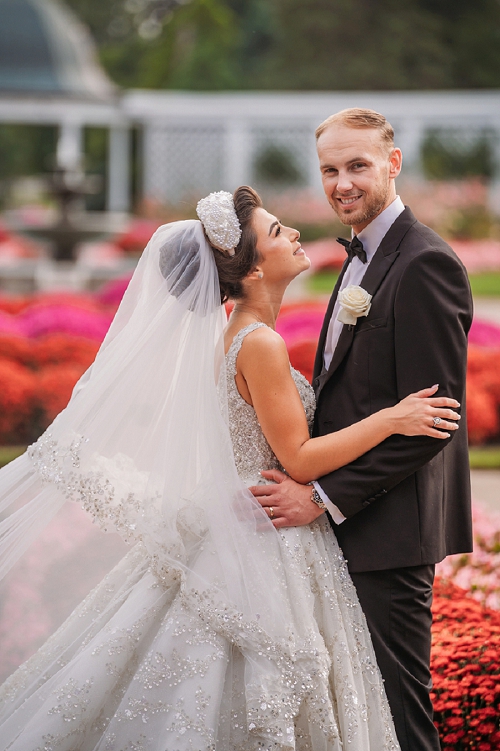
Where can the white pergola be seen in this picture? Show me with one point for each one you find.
(194, 142)
(71, 116)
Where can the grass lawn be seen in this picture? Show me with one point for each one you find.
(483, 285)
(8, 453)
(484, 457)
(322, 283)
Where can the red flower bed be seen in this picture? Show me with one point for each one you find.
(56, 349)
(51, 329)
(55, 385)
(16, 348)
(18, 386)
(36, 381)
(483, 393)
(466, 668)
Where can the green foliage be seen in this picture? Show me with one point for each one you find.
(196, 44)
(297, 44)
(446, 158)
(96, 146)
(359, 44)
(195, 50)
(26, 149)
(472, 223)
(275, 165)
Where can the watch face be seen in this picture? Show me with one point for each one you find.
(316, 498)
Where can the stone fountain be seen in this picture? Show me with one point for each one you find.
(72, 225)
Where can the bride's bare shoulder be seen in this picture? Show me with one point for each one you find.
(262, 346)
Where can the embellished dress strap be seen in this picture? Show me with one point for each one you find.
(233, 351)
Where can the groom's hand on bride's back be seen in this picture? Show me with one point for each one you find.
(290, 502)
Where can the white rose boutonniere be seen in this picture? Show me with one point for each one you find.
(355, 302)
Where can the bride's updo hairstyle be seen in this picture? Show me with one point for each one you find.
(233, 269)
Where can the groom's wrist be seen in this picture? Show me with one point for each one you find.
(336, 514)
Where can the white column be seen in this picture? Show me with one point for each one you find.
(237, 167)
(70, 146)
(313, 172)
(119, 155)
(494, 189)
(157, 180)
(409, 138)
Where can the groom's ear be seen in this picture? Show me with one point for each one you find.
(395, 163)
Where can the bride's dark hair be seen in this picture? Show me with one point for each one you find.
(233, 269)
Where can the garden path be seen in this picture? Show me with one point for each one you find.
(486, 488)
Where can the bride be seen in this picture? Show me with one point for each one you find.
(216, 631)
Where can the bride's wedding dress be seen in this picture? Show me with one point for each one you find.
(139, 665)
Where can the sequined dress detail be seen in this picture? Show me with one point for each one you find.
(134, 669)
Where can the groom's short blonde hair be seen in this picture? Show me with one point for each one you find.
(355, 117)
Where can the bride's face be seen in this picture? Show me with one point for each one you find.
(282, 257)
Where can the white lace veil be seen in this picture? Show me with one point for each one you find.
(144, 446)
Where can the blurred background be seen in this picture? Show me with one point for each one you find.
(118, 116)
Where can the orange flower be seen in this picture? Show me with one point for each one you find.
(17, 393)
(55, 385)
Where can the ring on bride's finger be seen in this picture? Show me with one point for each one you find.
(436, 421)
(271, 512)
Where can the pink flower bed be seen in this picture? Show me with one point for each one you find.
(80, 315)
(484, 334)
(479, 571)
(87, 317)
(64, 319)
(478, 256)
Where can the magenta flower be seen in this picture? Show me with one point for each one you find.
(484, 334)
(10, 324)
(40, 320)
(300, 323)
(112, 292)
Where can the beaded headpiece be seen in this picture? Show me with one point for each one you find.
(218, 216)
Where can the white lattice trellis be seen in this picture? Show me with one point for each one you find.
(183, 162)
(291, 143)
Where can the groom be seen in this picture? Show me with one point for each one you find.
(404, 505)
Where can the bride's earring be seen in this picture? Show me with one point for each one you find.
(260, 274)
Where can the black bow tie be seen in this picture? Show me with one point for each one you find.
(353, 248)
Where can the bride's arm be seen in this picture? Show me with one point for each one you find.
(263, 372)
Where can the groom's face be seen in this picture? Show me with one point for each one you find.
(358, 171)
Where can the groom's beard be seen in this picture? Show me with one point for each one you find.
(372, 207)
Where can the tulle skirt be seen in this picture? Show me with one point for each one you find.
(135, 667)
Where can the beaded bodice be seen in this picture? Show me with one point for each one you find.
(252, 452)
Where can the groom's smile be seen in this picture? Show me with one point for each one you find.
(349, 200)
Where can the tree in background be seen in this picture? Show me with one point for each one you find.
(359, 44)
(179, 44)
(297, 44)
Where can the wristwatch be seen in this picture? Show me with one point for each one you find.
(316, 498)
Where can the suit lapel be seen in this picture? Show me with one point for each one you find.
(380, 264)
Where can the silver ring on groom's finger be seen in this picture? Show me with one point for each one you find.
(271, 512)
(436, 421)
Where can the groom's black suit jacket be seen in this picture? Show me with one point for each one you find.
(407, 501)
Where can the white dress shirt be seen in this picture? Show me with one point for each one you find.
(371, 237)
